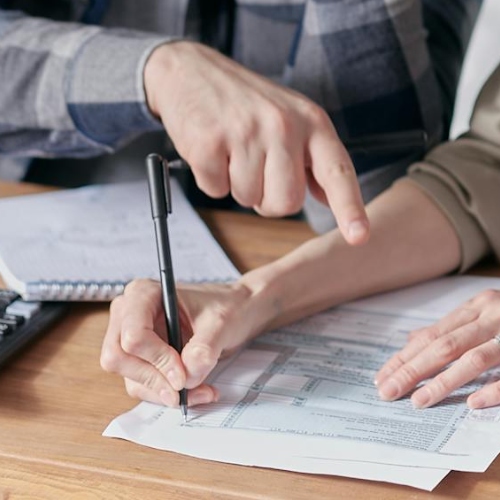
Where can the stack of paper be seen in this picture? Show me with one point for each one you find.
(303, 399)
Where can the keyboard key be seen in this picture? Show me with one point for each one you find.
(22, 322)
(24, 309)
(16, 320)
(6, 298)
(10, 319)
(5, 329)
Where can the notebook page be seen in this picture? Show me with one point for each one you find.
(104, 233)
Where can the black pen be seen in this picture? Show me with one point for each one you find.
(405, 141)
(161, 206)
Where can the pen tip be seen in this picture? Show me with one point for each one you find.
(184, 413)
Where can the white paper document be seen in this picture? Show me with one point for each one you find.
(302, 398)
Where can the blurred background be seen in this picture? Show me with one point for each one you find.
(482, 58)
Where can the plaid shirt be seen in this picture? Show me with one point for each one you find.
(75, 90)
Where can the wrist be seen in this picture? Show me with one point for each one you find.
(296, 285)
(159, 70)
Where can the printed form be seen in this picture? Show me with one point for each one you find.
(302, 398)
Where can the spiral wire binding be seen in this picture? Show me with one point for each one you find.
(91, 291)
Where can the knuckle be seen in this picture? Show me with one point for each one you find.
(210, 169)
(148, 380)
(316, 115)
(294, 199)
(494, 390)
(116, 305)
(477, 359)
(416, 334)
(441, 384)
(138, 390)
(246, 131)
(488, 295)
(467, 313)
(248, 197)
(340, 168)
(408, 374)
(139, 287)
(110, 360)
(204, 149)
(130, 341)
(161, 362)
(133, 389)
(397, 361)
(447, 348)
(215, 190)
(288, 206)
(207, 359)
(281, 123)
(289, 201)
(221, 315)
(429, 335)
(473, 329)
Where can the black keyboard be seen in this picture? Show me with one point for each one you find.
(22, 322)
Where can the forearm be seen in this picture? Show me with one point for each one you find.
(443, 218)
(70, 89)
(411, 241)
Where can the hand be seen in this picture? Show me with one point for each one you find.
(465, 337)
(247, 135)
(214, 320)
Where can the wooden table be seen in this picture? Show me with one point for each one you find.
(55, 401)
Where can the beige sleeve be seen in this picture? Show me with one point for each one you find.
(463, 178)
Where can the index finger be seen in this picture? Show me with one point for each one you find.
(333, 170)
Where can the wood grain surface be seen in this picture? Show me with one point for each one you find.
(55, 401)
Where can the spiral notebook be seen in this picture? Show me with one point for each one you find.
(86, 244)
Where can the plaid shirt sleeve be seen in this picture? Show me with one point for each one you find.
(375, 66)
(70, 89)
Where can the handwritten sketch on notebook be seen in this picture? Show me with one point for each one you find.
(86, 243)
(303, 397)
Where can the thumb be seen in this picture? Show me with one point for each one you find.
(200, 352)
(199, 358)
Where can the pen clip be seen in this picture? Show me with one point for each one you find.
(166, 185)
(159, 186)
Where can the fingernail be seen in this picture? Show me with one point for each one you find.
(421, 399)
(168, 398)
(383, 373)
(476, 401)
(389, 390)
(175, 379)
(216, 393)
(202, 358)
(208, 395)
(357, 229)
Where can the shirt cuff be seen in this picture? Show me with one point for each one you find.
(473, 242)
(105, 89)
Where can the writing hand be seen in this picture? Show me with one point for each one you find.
(136, 348)
(246, 135)
(465, 338)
